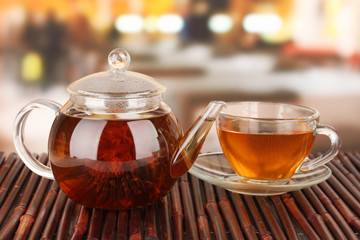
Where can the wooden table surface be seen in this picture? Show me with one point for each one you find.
(32, 207)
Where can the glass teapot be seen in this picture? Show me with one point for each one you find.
(115, 144)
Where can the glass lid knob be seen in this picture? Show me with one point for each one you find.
(119, 60)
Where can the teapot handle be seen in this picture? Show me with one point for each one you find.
(19, 141)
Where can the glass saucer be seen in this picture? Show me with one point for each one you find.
(215, 169)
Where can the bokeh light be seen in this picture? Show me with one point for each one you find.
(262, 23)
(220, 23)
(150, 24)
(130, 23)
(170, 23)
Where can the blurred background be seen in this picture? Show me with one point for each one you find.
(297, 51)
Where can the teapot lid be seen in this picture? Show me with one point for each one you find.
(117, 83)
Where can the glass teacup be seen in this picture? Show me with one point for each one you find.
(270, 142)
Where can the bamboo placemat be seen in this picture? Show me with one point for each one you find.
(32, 207)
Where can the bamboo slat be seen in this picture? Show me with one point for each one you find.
(6, 165)
(213, 212)
(177, 213)
(228, 213)
(81, 225)
(339, 179)
(354, 158)
(164, 219)
(21, 208)
(314, 218)
(12, 175)
(349, 165)
(270, 218)
(335, 213)
(346, 172)
(13, 220)
(64, 225)
(298, 216)
(95, 226)
(122, 225)
(188, 207)
(44, 211)
(108, 232)
(150, 231)
(53, 219)
(2, 158)
(202, 220)
(245, 222)
(329, 220)
(135, 224)
(284, 218)
(254, 211)
(27, 220)
(345, 210)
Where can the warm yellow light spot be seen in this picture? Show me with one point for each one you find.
(32, 67)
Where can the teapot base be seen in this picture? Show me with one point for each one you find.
(91, 184)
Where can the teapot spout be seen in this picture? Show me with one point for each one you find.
(192, 142)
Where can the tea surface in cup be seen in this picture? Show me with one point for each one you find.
(265, 156)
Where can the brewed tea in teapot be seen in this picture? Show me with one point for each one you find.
(109, 158)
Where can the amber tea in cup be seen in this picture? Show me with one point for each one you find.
(270, 142)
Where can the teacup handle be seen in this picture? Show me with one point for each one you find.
(19, 141)
(327, 156)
